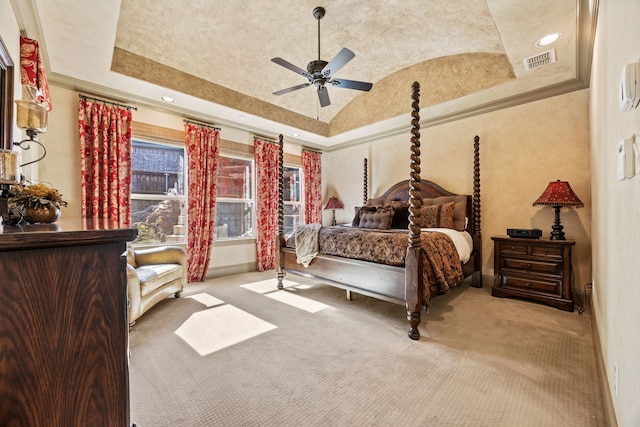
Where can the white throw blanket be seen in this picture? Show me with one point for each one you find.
(307, 243)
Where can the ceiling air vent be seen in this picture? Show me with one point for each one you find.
(539, 60)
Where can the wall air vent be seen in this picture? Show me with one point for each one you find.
(539, 60)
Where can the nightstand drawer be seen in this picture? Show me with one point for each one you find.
(529, 284)
(549, 267)
(513, 249)
(546, 251)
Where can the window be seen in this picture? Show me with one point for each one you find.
(234, 202)
(292, 191)
(158, 192)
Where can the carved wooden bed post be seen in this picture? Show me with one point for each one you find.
(365, 196)
(280, 237)
(476, 279)
(413, 261)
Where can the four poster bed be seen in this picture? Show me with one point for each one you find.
(374, 258)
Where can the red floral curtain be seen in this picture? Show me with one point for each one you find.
(203, 147)
(266, 158)
(32, 73)
(105, 157)
(312, 171)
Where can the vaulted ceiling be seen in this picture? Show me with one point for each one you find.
(214, 57)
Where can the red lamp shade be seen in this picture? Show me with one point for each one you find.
(334, 203)
(558, 194)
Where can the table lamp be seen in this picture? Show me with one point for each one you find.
(333, 204)
(558, 195)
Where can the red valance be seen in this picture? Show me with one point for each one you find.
(32, 73)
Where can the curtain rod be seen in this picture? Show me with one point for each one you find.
(201, 124)
(312, 150)
(104, 101)
(266, 138)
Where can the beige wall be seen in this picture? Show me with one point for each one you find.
(616, 207)
(522, 149)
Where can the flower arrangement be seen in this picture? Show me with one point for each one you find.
(35, 195)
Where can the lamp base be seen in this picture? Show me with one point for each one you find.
(333, 220)
(557, 233)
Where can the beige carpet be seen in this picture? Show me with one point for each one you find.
(236, 352)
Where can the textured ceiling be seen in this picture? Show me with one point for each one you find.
(214, 57)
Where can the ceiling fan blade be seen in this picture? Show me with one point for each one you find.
(352, 84)
(338, 61)
(290, 66)
(323, 96)
(291, 89)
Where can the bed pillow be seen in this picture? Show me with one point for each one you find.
(375, 202)
(375, 220)
(400, 218)
(436, 216)
(359, 211)
(460, 209)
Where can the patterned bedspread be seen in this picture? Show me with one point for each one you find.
(442, 267)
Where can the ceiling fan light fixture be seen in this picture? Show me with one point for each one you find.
(548, 39)
(320, 72)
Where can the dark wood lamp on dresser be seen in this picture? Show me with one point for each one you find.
(63, 325)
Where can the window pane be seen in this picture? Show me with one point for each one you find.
(234, 178)
(156, 169)
(234, 219)
(291, 184)
(158, 220)
(291, 217)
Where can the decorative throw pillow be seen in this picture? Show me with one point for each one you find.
(359, 211)
(436, 216)
(376, 220)
(400, 217)
(375, 202)
(460, 209)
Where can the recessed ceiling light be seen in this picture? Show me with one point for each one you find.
(548, 39)
(295, 135)
(167, 99)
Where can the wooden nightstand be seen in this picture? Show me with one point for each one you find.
(536, 269)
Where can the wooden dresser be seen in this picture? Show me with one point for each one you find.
(63, 325)
(536, 269)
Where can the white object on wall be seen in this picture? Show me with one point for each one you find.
(626, 161)
(630, 86)
(636, 154)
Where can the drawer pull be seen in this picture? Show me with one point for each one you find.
(513, 248)
(528, 284)
(529, 265)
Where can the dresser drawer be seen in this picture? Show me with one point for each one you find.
(512, 249)
(546, 251)
(528, 284)
(549, 267)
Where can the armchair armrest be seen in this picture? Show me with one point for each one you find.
(161, 255)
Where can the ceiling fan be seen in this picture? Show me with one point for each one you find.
(320, 72)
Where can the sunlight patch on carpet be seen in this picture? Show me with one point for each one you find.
(270, 285)
(211, 330)
(206, 299)
(297, 301)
